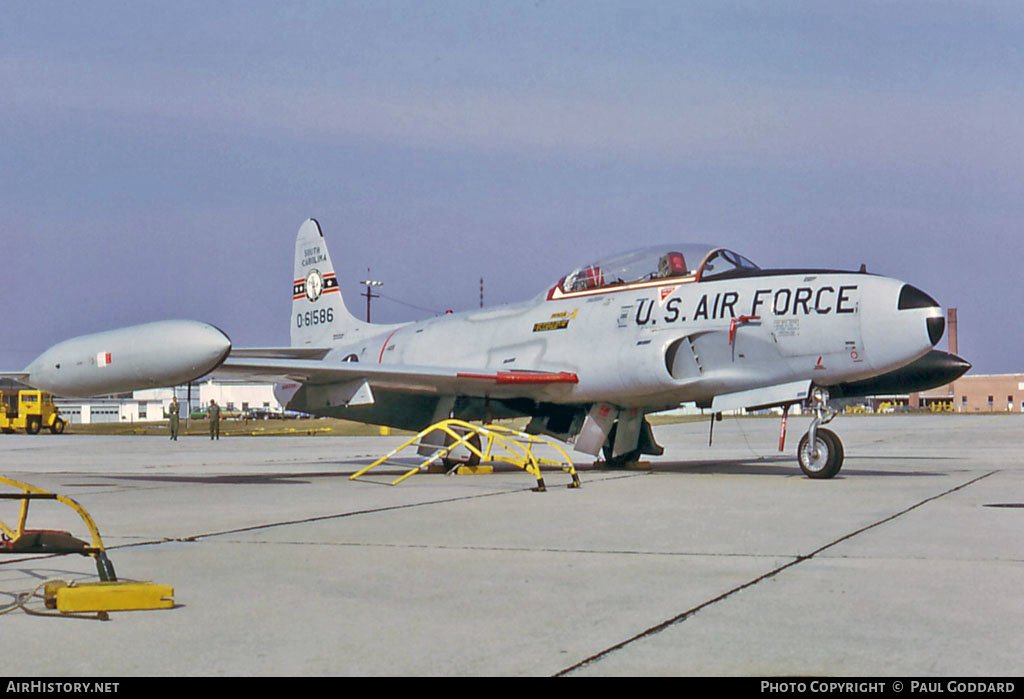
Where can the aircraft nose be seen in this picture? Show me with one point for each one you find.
(911, 297)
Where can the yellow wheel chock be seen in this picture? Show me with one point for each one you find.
(107, 595)
(504, 445)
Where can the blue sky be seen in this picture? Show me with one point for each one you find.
(156, 159)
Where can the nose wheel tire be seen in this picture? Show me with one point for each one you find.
(826, 460)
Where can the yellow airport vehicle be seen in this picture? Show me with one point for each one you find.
(504, 445)
(29, 410)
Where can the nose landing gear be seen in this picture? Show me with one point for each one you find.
(820, 451)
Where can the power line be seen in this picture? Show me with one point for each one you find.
(411, 305)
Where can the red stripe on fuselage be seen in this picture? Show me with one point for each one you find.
(380, 359)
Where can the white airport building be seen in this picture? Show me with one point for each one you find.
(150, 405)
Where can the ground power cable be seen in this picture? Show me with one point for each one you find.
(22, 600)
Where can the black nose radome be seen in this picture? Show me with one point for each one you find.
(937, 368)
(912, 297)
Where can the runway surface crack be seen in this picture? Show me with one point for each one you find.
(679, 618)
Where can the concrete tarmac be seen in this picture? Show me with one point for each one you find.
(716, 561)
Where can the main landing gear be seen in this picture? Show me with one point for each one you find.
(820, 452)
(645, 445)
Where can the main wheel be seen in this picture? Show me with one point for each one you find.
(620, 461)
(461, 455)
(608, 450)
(829, 458)
(32, 425)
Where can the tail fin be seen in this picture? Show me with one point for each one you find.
(319, 316)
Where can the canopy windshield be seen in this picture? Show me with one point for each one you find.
(654, 263)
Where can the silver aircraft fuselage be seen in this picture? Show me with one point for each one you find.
(658, 344)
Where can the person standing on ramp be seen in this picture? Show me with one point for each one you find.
(172, 418)
(213, 415)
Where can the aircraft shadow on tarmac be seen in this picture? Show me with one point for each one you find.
(240, 479)
(779, 466)
(761, 466)
(345, 469)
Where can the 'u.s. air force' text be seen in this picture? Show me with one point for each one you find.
(803, 300)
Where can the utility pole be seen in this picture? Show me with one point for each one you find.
(368, 283)
(481, 292)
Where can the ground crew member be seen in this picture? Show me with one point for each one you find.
(213, 415)
(172, 418)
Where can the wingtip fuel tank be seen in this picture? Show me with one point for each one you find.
(152, 355)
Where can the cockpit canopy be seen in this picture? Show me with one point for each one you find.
(689, 262)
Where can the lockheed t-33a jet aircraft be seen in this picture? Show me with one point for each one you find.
(587, 360)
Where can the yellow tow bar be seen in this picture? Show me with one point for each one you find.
(504, 445)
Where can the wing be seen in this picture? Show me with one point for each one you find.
(292, 364)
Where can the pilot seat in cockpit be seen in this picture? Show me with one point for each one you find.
(672, 264)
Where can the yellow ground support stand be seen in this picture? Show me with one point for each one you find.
(107, 595)
(504, 445)
(22, 540)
